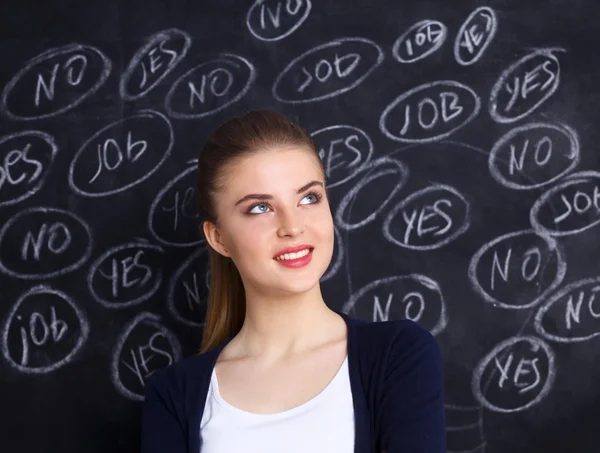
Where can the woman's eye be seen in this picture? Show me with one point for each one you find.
(311, 195)
(256, 206)
(316, 197)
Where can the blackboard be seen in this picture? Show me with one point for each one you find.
(460, 141)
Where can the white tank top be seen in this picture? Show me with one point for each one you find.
(324, 424)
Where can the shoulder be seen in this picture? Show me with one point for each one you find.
(178, 377)
(397, 346)
(394, 336)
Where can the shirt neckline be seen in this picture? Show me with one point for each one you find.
(288, 412)
(358, 401)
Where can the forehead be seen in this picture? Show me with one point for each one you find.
(273, 170)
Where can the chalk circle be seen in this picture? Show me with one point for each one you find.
(491, 27)
(499, 402)
(463, 426)
(69, 102)
(257, 13)
(371, 172)
(190, 285)
(235, 70)
(286, 88)
(462, 225)
(159, 38)
(407, 53)
(570, 310)
(51, 328)
(136, 299)
(336, 263)
(590, 211)
(552, 249)
(496, 108)
(159, 126)
(416, 294)
(46, 148)
(450, 121)
(187, 178)
(149, 321)
(526, 132)
(17, 230)
(327, 135)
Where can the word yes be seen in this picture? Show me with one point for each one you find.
(13, 158)
(156, 61)
(524, 368)
(425, 213)
(145, 353)
(520, 88)
(180, 203)
(120, 273)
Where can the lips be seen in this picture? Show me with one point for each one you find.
(294, 249)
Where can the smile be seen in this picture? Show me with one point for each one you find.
(295, 260)
(293, 256)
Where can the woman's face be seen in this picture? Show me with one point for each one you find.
(253, 230)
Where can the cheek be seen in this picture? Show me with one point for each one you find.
(251, 238)
(322, 224)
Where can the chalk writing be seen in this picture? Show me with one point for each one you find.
(188, 289)
(419, 41)
(534, 155)
(173, 217)
(517, 270)
(126, 275)
(272, 20)
(43, 242)
(524, 86)
(464, 428)
(430, 218)
(414, 297)
(475, 35)
(570, 207)
(144, 346)
(121, 155)
(43, 331)
(344, 151)
(392, 169)
(161, 53)
(327, 70)
(210, 87)
(521, 372)
(54, 82)
(572, 314)
(429, 112)
(25, 160)
(338, 257)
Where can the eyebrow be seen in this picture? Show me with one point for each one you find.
(264, 196)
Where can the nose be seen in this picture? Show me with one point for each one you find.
(291, 222)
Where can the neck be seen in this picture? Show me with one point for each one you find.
(279, 327)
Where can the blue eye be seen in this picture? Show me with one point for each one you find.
(316, 195)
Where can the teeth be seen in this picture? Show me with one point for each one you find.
(293, 256)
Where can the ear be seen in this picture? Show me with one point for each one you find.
(214, 239)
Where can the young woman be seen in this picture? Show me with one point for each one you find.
(278, 370)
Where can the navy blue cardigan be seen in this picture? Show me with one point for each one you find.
(396, 380)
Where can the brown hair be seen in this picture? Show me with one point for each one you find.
(252, 132)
